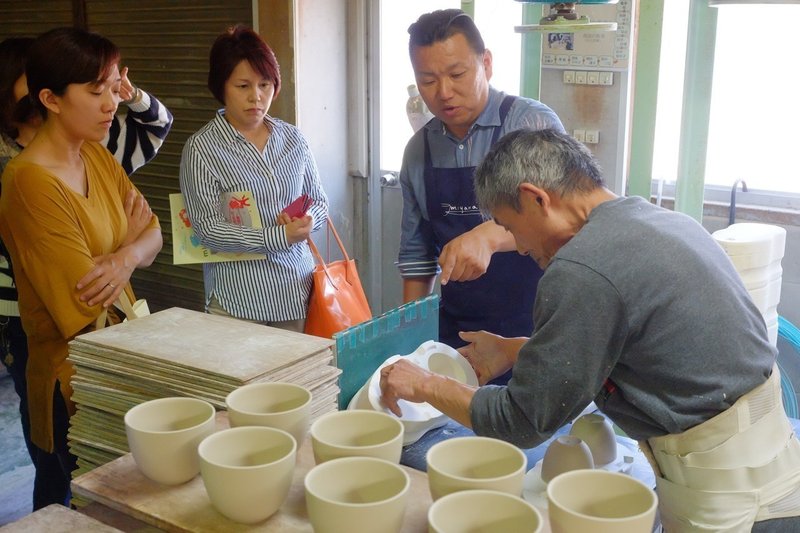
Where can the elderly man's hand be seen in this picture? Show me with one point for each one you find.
(489, 355)
(403, 380)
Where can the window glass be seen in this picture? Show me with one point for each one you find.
(496, 21)
(397, 74)
(670, 90)
(754, 113)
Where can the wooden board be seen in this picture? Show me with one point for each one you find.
(221, 346)
(57, 518)
(186, 508)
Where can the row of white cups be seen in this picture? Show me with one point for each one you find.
(357, 484)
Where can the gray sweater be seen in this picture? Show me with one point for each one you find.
(646, 298)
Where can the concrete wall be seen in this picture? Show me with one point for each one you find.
(321, 67)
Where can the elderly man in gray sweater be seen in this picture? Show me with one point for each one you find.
(640, 311)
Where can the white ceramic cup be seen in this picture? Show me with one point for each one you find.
(596, 431)
(601, 502)
(464, 463)
(357, 495)
(163, 436)
(285, 406)
(565, 453)
(357, 433)
(483, 510)
(247, 471)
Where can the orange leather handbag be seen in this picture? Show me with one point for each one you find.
(337, 299)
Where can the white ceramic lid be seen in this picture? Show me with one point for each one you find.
(758, 278)
(768, 296)
(750, 261)
(764, 240)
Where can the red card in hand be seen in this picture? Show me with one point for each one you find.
(298, 208)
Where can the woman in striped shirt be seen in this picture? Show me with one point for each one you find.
(245, 149)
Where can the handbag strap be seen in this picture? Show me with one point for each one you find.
(123, 303)
(331, 229)
(322, 263)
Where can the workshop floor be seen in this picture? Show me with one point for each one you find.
(16, 470)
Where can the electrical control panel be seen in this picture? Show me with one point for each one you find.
(585, 79)
(592, 49)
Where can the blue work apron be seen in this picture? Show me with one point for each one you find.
(501, 300)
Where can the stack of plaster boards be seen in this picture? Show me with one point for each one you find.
(178, 352)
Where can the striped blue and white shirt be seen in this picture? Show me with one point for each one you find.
(135, 136)
(218, 160)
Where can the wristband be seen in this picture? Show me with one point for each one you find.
(134, 98)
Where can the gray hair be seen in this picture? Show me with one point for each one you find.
(549, 159)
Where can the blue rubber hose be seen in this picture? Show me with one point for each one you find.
(791, 333)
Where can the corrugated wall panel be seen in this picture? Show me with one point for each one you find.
(28, 19)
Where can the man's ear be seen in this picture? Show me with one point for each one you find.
(487, 63)
(531, 193)
(50, 100)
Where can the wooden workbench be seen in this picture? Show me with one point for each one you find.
(120, 486)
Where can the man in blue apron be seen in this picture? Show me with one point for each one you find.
(486, 284)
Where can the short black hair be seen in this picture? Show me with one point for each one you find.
(440, 25)
(240, 43)
(63, 56)
(13, 55)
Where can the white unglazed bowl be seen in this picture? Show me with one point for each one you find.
(357, 495)
(247, 471)
(596, 431)
(285, 406)
(466, 463)
(565, 453)
(601, 502)
(357, 433)
(163, 436)
(483, 510)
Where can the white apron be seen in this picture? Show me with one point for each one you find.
(740, 467)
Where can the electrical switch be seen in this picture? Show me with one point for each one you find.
(580, 135)
(580, 77)
(569, 76)
(606, 78)
(592, 136)
(592, 78)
